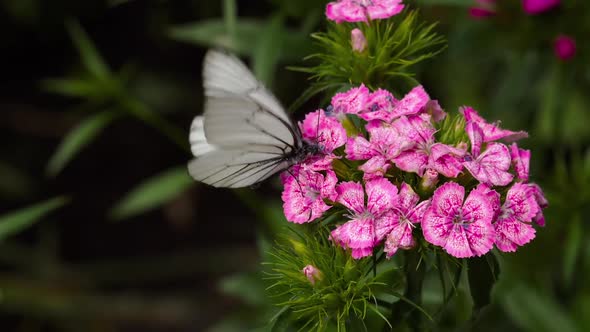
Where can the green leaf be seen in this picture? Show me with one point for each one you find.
(16, 222)
(90, 57)
(77, 88)
(153, 193)
(268, 50)
(573, 245)
(78, 138)
(248, 287)
(230, 16)
(213, 33)
(482, 273)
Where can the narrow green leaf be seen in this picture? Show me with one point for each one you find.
(483, 273)
(78, 138)
(153, 193)
(70, 87)
(573, 245)
(14, 222)
(230, 17)
(268, 50)
(88, 53)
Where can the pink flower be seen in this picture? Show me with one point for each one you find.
(358, 41)
(533, 7)
(513, 226)
(463, 229)
(384, 145)
(325, 132)
(362, 10)
(425, 153)
(520, 160)
(543, 203)
(312, 273)
(352, 101)
(491, 131)
(383, 106)
(359, 234)
(564, 47)
(304, 194)
(483, 9)
(407, 213)
(491, 166)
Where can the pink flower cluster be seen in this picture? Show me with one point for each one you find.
(362, 10)
(392, 165)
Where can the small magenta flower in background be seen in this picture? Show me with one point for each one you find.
(358, 40)
(483, 9)
(564, 47)
(533, 7)
(362, 10)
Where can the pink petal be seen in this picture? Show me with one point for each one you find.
(492, 197)
(475, 137)
(478, 207)
(520, 200)
(380, 196)
(328, 187)
(446, 160)
(355, 234)
(491, 132)
(520, 159)
(436, 228)
(512, 230)
(326, 131)
(359, 253)
(351, 102)
(387, 140)
(480, 236)
(417, 213)
(436, 112)
(400, 237)
(412, 103)
(448, 199)
(406, 200)
(302, 200)
(417, 130)
(358, 148)
(382, 9)
(384, 225)
(491, 167)
(379, 106)
(351, 195)
(457, 244)
(414, 161)
(376, 166)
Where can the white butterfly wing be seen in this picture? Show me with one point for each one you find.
(245, 135)
(239, 110)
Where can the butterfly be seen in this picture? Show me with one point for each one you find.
(244, 135)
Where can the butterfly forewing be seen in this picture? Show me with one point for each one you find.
(245, 135)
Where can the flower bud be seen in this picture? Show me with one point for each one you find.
(299, 248)
(312, 274)
(564, 47)
(429, 180)
(359, 43)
